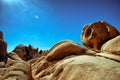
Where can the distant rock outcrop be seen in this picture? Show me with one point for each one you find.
(26, 52)
(21, 51)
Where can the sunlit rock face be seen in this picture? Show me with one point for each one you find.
(15, 69)
(64, 48)
(112, 46)
(67, 60)
(97, 33)
(77, 68)
(3, 48)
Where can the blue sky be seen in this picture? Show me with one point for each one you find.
(42, 23)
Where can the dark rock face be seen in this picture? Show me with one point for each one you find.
(1, 35)
(3, 48)
(21, 51)
(31, 52)
(26, 52)
(97, 33)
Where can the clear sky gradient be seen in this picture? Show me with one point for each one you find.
(42, 23)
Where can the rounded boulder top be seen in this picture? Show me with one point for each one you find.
(94, 35)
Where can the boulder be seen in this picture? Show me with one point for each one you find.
(67, 60)
(65, 48)
(112, 46)
(78, 67)
(16, 69)
(94, 35)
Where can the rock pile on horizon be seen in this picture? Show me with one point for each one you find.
(26, 52)
(66, 60)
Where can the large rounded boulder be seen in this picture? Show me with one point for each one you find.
(94, 35)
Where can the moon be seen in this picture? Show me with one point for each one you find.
(36, 16)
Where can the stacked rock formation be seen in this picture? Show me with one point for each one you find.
(67, 60)
(102, 37)
(3, 48)
(26, 52)
(94, 35)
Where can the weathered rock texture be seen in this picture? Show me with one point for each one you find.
(26, 52)
(94, 35)
(66, 60)
(112, 46)
(66, 48)
(82, 67)
(15, 69)
(66, 64)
